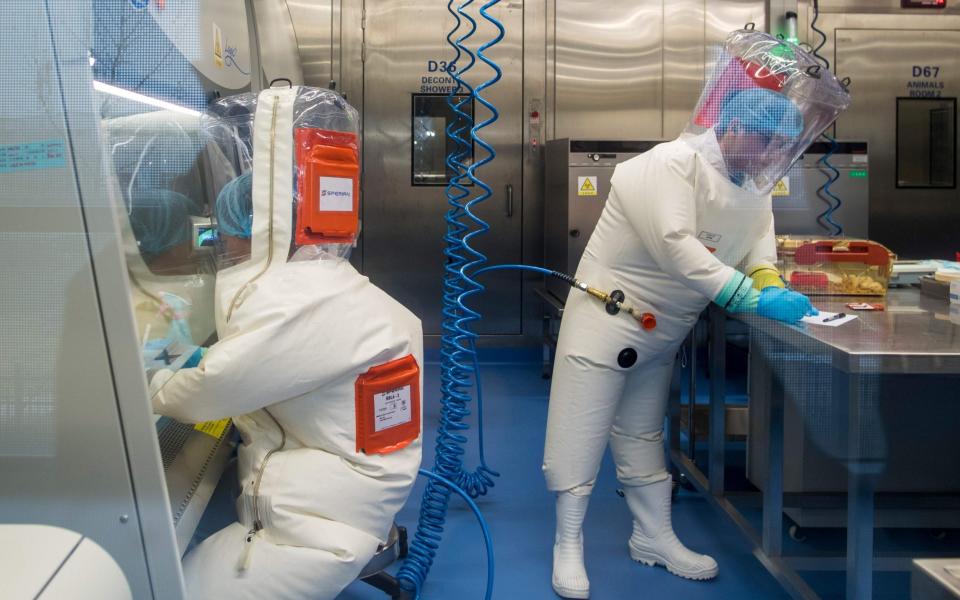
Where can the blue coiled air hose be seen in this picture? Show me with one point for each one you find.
(823, 192)
(459, 365)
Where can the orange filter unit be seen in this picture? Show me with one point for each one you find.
(388, 406)
(328, 186)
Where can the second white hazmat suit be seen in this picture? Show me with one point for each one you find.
(301, 340)
(679, 220)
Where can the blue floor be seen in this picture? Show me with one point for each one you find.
(520, 513)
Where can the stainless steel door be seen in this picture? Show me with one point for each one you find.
(403, 224)
(915, 222)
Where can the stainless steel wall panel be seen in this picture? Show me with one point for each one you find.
(609, 69)
(683, 62)
(336, 32)
(724, 16)
(550, 104)
(279, 54)
(534, 94)
(313, 23)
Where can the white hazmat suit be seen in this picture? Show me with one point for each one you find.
(678, 222)
(295, 338)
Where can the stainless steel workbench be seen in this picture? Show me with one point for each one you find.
(914, 335)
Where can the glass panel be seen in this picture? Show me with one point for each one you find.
(152, 85)
(431, 116)
(926, 142)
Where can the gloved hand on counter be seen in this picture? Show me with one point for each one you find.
(784, 305)
(740, 296)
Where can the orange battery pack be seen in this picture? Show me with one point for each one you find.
(328, 186)
(388, 406)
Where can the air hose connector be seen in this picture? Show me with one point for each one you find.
(615, 302)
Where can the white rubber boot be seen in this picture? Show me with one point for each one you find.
(569, 574)
(653, 541)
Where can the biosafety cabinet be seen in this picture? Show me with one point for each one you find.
(88, 163)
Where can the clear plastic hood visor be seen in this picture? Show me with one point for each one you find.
(766, 101)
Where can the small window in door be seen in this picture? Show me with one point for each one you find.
(926, 142)
(430, 144)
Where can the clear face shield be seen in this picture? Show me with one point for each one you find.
(155, 159)
(165, 222)
(766, 101)
(324, 215)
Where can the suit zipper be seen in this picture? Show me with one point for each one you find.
(251, 536)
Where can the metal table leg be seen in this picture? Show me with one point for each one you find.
(773, 491)
(718, 416)
(673, 423)
(860, 490)
(692, 395)
(546, 331)
(860, 535)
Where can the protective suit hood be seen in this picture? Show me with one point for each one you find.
(766, 100)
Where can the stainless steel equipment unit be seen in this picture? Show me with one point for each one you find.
(578, 176)
(796, 204)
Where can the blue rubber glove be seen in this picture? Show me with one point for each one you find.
(784, 305)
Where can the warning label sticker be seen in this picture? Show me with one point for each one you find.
(586, 186)
(213, 428)
(217, 46)
(392, 408)
(782, 188)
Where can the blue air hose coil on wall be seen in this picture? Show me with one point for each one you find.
(458, 356)
(834, 203)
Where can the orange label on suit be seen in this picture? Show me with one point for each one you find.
(388, 406)
(328, 186)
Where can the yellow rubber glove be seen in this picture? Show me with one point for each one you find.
(765, 276)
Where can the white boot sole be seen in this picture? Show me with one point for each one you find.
(571, 593)
(651, 559)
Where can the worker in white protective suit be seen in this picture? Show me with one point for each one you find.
(319, 369)
(679, 222)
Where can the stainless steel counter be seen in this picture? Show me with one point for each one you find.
(913, 335)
